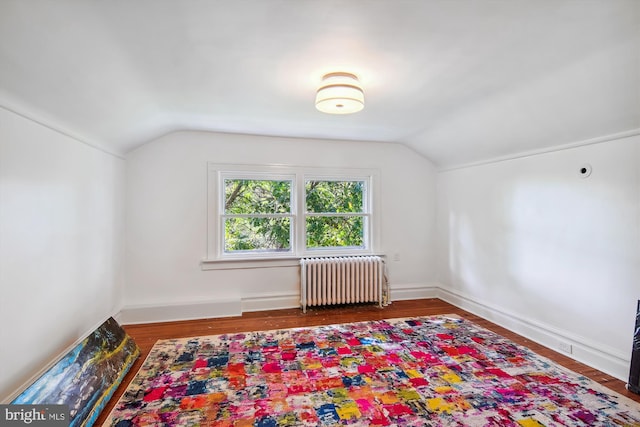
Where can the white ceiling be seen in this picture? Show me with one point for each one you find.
(458, 81)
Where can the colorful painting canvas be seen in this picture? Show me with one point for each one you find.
(429, 371)
(86, 377)
(634, 370)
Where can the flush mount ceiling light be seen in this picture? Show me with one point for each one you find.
(340, 93)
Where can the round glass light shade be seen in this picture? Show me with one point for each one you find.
(340, 93)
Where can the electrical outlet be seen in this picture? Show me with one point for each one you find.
(396, 256)
(565, 346)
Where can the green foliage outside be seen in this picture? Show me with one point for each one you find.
(244, 196)
(340, 197)
(268, 204)
(331, 232)
(334, 196)
(258, 214)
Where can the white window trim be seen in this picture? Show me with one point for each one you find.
(217, 172)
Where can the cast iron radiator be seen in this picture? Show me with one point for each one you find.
(341, 280)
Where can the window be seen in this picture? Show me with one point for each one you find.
(256, 215)
(335, 215)
(277, 211)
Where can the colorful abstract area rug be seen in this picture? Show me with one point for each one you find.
(429, 371)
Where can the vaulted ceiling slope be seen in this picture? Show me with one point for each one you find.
(458, 81)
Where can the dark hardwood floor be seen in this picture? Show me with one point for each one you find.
(146, 335)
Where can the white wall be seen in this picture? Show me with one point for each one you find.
(524, 242)
(61, 244)
(529, 243)
(167, 224)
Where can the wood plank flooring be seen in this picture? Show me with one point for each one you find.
(146, 335)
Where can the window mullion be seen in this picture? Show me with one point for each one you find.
(300, 222)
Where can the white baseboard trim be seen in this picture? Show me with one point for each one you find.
(273, 301)
(151, 313)
(600, 357)
(408, 291)
(276, 301)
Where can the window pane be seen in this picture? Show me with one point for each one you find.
(257, 234)
(335, 196)
(248, 196)
(332, 232)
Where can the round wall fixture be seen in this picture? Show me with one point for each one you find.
(340, 93)
(585, 170)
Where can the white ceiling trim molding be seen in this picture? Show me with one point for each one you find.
(530, 153)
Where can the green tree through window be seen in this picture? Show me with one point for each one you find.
(262, 213)
(334, 214)
(257, 215)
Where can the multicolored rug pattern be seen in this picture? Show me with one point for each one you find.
(429, 371)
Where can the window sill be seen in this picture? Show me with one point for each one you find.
(247, 263)
(280, 262)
